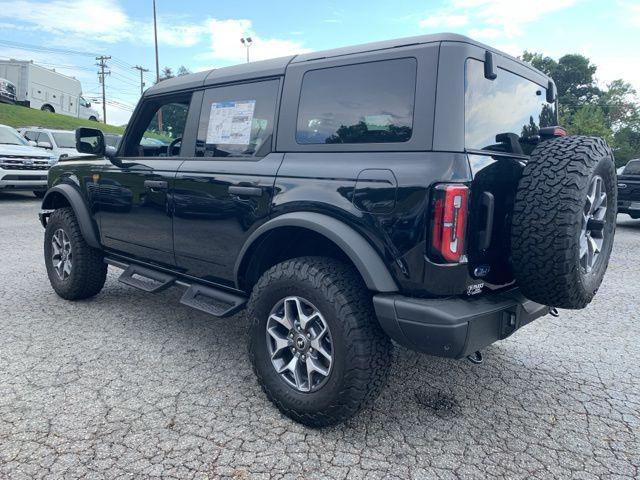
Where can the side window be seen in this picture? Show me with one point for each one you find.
(363, 103)
(508, 107)
(237, 120)
(30, 135)
(160, 128)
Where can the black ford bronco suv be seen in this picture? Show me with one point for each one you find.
(417, 190)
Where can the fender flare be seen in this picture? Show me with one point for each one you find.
(367, 261)
(80, 210)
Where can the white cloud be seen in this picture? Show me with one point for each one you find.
(104, 20)
(485, 33)
(494, 18)
(225, 43)
(443, 20)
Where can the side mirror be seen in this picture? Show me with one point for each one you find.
(46, 145)
(90, 140)
(32, 143)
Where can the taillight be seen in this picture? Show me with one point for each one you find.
(448, 222)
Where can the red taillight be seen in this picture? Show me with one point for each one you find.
(449, 220)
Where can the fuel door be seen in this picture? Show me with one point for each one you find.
(375, 191)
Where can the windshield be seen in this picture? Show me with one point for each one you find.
(65, 139)
(510, 106)
(632, 168)
(9, 136)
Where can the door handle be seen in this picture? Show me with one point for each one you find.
(245, 191)
(156, 184)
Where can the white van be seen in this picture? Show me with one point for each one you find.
(43, 89)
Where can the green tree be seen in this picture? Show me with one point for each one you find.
(590, 120)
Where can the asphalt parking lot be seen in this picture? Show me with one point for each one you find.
(132, 385)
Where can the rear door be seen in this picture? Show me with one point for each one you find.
(225, 192)
(134, 202)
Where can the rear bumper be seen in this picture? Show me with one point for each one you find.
(454, 327)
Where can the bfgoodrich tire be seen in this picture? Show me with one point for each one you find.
(75, 269)
(316, 378)
(564, 221)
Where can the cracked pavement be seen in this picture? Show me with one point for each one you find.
(134, 385)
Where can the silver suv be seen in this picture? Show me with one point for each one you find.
(22, 167)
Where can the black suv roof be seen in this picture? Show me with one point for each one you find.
(277, 66)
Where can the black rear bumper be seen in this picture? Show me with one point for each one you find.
(454, 327)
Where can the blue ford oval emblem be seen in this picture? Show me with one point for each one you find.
(481, 270)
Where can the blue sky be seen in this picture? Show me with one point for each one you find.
(205, 34)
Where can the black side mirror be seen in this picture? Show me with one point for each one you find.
(90, 140)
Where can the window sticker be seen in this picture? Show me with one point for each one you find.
(230, 122)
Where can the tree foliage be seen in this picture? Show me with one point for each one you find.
(612, 113)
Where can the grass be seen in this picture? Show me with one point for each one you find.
(17, 116)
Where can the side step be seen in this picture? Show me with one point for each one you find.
(212, 301)
(146, 279)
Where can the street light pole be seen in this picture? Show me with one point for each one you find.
(247, 41)
(155, 37)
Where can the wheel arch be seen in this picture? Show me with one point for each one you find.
(328, 230)
(62, 196)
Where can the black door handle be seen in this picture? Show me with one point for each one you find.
(156, 184)
(245, 191)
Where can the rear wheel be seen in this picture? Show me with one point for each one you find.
(315, 344)
(564, 221)
(75, 269)
(47, 108)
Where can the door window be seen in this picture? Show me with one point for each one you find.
(363, 103)
(237, 120)
(160, 128)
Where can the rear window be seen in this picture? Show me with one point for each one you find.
(510, 104)
(363, 103)
(632, 168)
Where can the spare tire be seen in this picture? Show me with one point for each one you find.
(564, 220)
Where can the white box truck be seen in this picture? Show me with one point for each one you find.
(43, 89)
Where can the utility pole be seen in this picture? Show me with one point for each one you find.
(155, 36)
(102, 63)
(142, 70)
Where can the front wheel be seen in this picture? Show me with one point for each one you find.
(75, 269)
(314, 342)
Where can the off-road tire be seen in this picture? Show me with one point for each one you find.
(361, 349)
(88, 271)
(547, 221)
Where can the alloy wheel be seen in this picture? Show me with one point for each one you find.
(299, 344)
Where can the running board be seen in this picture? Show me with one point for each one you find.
(214, 302)
(146, 279)
(210, 300)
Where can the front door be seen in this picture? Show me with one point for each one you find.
(134, 196)
(225, 191)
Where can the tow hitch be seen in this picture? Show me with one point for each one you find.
(476, 358)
